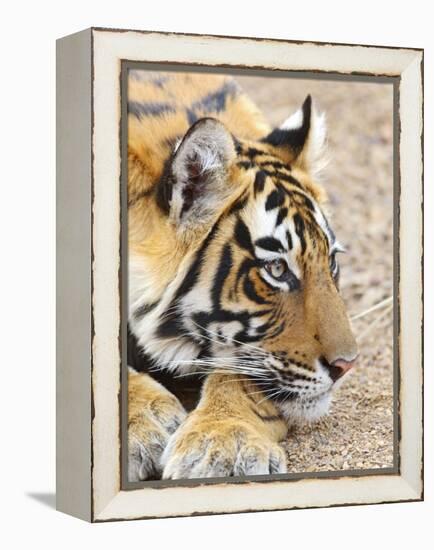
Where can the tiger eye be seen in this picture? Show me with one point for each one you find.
(276, 268)
(279, 270)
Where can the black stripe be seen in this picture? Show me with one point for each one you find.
(203, 319)
(289, 239)
(246, 265)
(246, 164)
(278, 330)
(269, 417)
(283, 212)
(140, 110)
(252, 152)
(194, 271)
(251, 293)
(303, 198)
(276, 164)
(238, 146)
(308, 203)
(259, 184)
(284, 177)
(136, 357)
(299, 229)
(214, 102)
(274, 199)
(270, 243)
(222, 273)
(266, 326)
(171, 326)
(288, 178)
(242, 236)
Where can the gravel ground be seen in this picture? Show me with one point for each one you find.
(358, 433)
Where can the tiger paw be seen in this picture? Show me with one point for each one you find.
(205, 447)
(146, 443)
(154, 414)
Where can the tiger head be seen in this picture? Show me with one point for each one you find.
(257, 289)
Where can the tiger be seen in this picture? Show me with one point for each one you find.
(233, 279)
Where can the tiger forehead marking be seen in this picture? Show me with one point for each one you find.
(232, 260)
(285, 211)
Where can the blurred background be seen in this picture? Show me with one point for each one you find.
(358, 433)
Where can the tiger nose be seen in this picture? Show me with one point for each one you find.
(339, 367)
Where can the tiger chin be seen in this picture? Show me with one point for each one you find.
(233, 278)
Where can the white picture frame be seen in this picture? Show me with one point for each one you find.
(89, 295)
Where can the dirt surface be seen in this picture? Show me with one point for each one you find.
(358, 433)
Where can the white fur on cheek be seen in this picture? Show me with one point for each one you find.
(170, 353)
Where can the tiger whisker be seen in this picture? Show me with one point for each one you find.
(237, 379)
(200, 336)
(256, 392)
(218, 341)
(270, 396)
(169, 311)
(374, 323)
(264, 354)
(257, 349)
(375, 307)
(218, 364)
(247, 365)
(221, 362)
(227, 372)
(184, 374)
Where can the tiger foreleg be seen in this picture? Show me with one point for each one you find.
(153, 416)
(233, 431)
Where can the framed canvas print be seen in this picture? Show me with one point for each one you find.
(239, 274)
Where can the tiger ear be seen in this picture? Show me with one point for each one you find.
(195, 183)
(303, 135)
